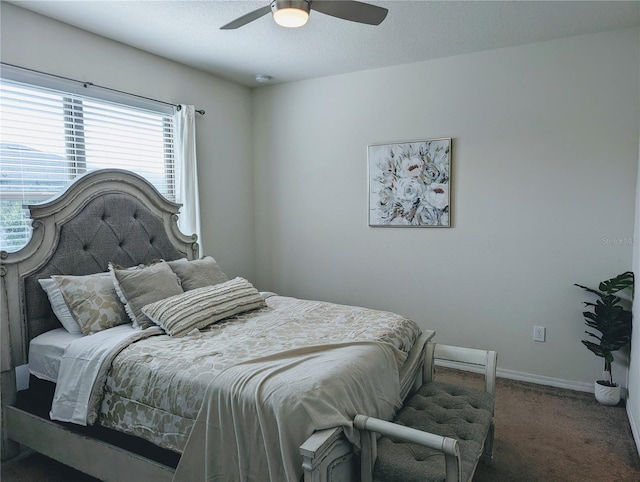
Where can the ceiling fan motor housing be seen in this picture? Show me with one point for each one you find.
(291, 13)
(297, 4)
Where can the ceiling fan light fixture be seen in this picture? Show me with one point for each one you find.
(290, 13)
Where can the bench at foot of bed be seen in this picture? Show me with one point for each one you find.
(440, 433)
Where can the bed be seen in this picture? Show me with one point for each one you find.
(140, 411)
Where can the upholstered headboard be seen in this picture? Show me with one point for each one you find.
(104, 216)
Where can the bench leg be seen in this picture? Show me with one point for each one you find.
(487, 455)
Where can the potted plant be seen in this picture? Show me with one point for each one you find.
(611, 316)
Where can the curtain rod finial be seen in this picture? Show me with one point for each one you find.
(199, 111)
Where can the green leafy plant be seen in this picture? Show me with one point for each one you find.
(611, 316)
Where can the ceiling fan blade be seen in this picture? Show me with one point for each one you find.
(353, 11)
(245, 19)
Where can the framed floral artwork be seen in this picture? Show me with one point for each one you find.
(409, 184)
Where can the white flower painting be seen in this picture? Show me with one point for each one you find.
(409, 183)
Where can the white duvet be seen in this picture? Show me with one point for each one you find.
(257, 414)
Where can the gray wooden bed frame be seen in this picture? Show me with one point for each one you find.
(114, 215)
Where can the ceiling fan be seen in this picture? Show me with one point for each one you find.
(295, 13)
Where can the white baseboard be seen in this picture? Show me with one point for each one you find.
(22, 377)
(542, 380)
(529, 377)
(635, 428)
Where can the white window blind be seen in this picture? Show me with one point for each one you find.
(49, 137)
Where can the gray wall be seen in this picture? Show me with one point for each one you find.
(545, 154)
(224, 153)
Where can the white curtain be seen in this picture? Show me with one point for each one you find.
(187, 172)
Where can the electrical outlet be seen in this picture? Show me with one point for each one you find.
(539, 333)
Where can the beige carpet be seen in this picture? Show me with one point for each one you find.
(546, 434)
(543, 434)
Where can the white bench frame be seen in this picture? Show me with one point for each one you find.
(369, 426)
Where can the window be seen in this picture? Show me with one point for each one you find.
(50, 136)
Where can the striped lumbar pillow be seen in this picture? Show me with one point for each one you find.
(200, 307)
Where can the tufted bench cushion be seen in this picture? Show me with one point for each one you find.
(445, 409)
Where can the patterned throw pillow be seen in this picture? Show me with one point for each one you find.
(140, 286)
(200, 307)
(198, 273)
(92, 300)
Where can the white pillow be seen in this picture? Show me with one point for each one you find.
(59, 306)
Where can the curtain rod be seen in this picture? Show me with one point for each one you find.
(199, 111)
(91, 84)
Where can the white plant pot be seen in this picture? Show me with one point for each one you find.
(607, 395)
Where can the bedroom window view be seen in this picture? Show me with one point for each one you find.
(48, 138)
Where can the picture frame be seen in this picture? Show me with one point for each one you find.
(410, 183)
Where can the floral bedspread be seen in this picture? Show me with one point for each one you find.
(155, 387)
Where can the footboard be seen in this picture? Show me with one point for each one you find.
(329, 457)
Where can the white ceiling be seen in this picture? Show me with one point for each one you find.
(188, 32)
